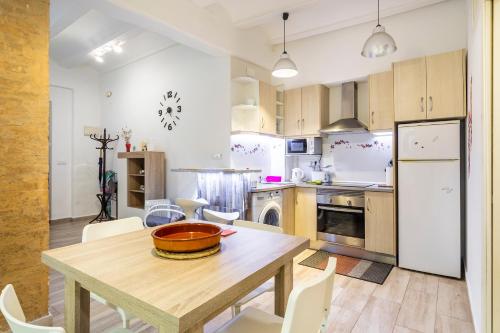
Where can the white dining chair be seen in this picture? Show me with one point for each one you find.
(265, 287)
(190, 206)
(307, 310)
(220, 217)
(161, 214)
(14, 315)
(101, 230)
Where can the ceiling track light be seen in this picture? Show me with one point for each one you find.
(380, 43)
(284, 67)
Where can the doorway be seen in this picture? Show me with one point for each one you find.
(60, 155)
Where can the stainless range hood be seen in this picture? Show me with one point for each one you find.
(349, 121)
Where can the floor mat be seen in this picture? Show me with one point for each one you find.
(353, 267)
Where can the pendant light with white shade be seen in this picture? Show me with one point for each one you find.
(380, 43)
(284, 67)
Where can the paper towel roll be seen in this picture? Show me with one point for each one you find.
(388, 176)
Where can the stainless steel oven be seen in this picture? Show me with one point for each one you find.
(341, 217)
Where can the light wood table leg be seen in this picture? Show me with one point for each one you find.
(283, 284)
(76, 307)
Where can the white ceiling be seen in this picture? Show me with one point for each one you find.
(307, 17)
(76, 30)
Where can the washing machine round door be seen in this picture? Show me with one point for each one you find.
(271, 214)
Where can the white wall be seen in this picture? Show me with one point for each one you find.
(336, 56)
(476, 154)
(203, 82)
(86, 112)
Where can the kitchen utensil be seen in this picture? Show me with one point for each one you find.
(297, 175)
(186, 237)
(318, 176)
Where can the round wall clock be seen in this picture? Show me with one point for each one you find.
(170, 110)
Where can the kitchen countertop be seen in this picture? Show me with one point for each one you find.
(264, 187)
(216, 170)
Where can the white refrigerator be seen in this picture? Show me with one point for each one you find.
(429, 200)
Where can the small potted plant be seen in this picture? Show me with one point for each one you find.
(127, 134)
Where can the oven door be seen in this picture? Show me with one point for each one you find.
(296, 146)
(341, 225)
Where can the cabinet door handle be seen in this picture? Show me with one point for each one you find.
(368, 205)
(298, 123)
(262, 123)
(431, 104)
(373, 117)
(302, 122)
(421, 104)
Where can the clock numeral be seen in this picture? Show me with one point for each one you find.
(169, 127)
(169, 94)
(160, 113)
(179, 108)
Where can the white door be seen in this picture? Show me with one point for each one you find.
(61, 120)
(429, 216)
(427, 141)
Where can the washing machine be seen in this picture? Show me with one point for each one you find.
(266, 207)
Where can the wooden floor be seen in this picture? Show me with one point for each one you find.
(407, 302)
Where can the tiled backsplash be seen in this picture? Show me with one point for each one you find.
(352, 157)
(258, 152)
(358, 157)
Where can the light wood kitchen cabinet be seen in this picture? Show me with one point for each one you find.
(315, 104)
(293, 112)
(305, 212)
(381, 101)
(267, 108)
(380, 227)
(288, 211)
(306, 110)
(410, 90)
(431, 87)
(446, 85)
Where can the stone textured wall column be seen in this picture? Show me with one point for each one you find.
(24, 151)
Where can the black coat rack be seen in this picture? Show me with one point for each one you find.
(103, 197)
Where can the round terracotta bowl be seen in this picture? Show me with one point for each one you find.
(186, 237)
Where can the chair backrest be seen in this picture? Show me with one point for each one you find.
(163, 214)
(111, 228)
(309, 304)
(13, 313)
(258, 226)
(220, 217)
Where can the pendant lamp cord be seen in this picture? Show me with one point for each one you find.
(378, 13)
(284, 40)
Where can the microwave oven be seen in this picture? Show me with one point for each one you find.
(304, 146)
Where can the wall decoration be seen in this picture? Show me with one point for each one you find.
(170, 109)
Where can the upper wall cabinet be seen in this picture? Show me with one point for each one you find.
(306, 110)
(381, 101)
(430, 88)
(267, 108)
(254, 107)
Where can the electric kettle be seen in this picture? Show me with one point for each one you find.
(297, 175)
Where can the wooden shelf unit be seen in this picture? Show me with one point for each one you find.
(153, 179)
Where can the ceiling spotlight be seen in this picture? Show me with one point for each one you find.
(117, 48)
(99, 59)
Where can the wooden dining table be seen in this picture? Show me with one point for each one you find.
(173, 295)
